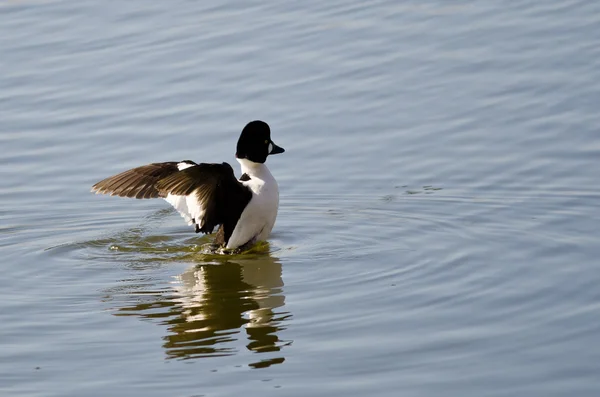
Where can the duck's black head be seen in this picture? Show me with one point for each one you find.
(255, 142)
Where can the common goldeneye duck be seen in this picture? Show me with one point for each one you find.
(207, 195)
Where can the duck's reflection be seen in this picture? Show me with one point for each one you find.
(216, 307)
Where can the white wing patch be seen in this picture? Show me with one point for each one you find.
(183, 165)
(180, 204)
(195, 209)
(187, 206)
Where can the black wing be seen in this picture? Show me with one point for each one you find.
(220, 197)
(139, 182)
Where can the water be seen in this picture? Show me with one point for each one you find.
(438, 224)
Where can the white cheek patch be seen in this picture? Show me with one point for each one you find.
(270, 147)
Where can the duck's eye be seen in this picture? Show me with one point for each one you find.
(266, 142)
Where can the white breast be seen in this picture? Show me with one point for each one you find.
(258, 218)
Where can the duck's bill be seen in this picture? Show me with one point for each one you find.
(276, 149)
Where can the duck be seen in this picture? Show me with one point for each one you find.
(208, 195)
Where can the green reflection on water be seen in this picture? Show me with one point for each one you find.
(213, 308)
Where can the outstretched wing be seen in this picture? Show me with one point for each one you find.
(140, 182)
(214, 195)
(206, 195)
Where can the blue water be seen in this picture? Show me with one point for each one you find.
(440, 199)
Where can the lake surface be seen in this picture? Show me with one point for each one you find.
(438, 231)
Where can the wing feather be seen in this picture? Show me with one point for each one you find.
(206, 194)
(139, 182)
(214, 195)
